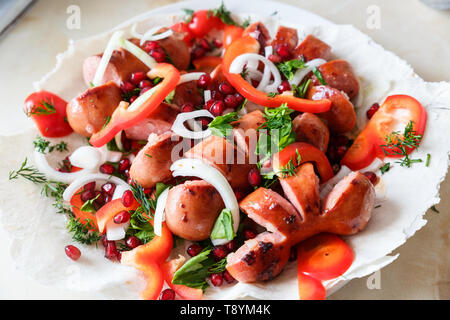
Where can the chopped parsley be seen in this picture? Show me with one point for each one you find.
(223, 14)
(221, 125)
(300, 91)
(272, 94)
(319, 76)
(43, 146)
(88, 206)
(427, 162)
(288, 68)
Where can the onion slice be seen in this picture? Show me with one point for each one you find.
(159, 212)
(301, 73)
(179, 128)
(86, 157)
(190, 77)
(150, 35)
(116, 231)
(197, 168)
(138, 53)
(110, 47)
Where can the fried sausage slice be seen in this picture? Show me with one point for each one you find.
(192, 209)
(187, 93)
(176, 49)
(310, 129)
(245, 131)
(88, 112)
(341, 117)
(287, 36)
(313, 48)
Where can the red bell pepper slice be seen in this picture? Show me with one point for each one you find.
(123, 117)
(248, 44)
(324, 256)
(48, 111)
(83, 216)
(310, 288)
(109, 210)
(396, 111)
(187, 293)
(230, 34)
(308, 153)
(155, 280)
(207, 63)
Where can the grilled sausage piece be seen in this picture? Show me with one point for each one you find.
(187, 93)
(259, 259)
(120, 67)
(223, 155)
(302, 190)
(152, 163)
(310, 129)
(313, 48)
(245, 131)
(339, 74)
(176, 49)
(287, 36)
(159, 122)
(192, 209)
(348, 207)
(341, 117)
(88, 112)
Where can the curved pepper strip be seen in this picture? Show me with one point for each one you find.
(248, 44)
(395, 111)
(207, 63)
(109, 210)
(187, 293)
(123, 117)
(308, 153)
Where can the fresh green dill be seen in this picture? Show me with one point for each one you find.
(288, 68)
(28, 172)
(272, 94)
(43, 146)
(189, 15)
(319, 76)
(83, 232)
(223, 14)
(45, 108)
(385, 168)
(427, 162)
(246, 22)
(244, 72)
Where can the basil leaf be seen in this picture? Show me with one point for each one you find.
(223, 227)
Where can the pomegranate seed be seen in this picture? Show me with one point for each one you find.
(230, 101)
(167, 294)
(107, 168)
(158, 54)
(374, 108)
(87, 195)
(73, 252)
(124, 164)
(133, 98)
(226, 88)
(145, 83)
(231, 245)
(217, 43)
(340, 151)
(104, 240)
(127, 86)
(205, 122)
(217, 108)
(284, 86)
(111, 252)
(122, 217)
(187, 107)
(208, 104)
(151, 45)
(132, 242)
(100, 201)
(204, 44)
(216, 279)
(239, 98)
(89, 186)
(194, 249)
(126, 143)
(143, 90)
(274, 58)
(293, 254)
(108, 198)
(216, 95)
(249, 234)
(109, 188)
(137, 77)
(239, 195)
(119, 256)
(371, 176)
(127, 173)
(127, 199)
(219, 252)
(283, 51)
(227, 276)
(254, 177)
(198, 53)
(204, 81)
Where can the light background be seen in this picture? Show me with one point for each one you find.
(413, 31)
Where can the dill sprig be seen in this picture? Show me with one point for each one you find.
(147, 205)
(43, 146)
(223, 14)
(28, 172)
(83, 232)
(45, 108)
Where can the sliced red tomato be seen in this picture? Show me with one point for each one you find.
(393, 116)
(248, 44)
(182, 27)
(324, 256)
(207, 63)
(187, 293)
(203, 22)
(310, 288)
(308, 153)
(83, 216)
(109, 210)
(230, 34)
(48, 111)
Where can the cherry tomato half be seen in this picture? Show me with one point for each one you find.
(203, 22)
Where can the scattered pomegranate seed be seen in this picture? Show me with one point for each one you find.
(73, 252)
(127, 86)
(249, 234)
(204, 44)
(107, 168)
(151, 45)
(205, 122)
(230, 101)
(167, 294)
(371, 176)
(100, 201)
(111, 252)
(254, 177)
(219, 252)
(126, 143)
(217, 43)
(226, 88)
(132, 242)
(119, 256)
(143, 90)
(108, 198)
(137, 77)
(133, 98)
(284, 86)
(340, 151)
(194, 249)
(283, 51)
(198, 53)
(239, 195)
(216, 95)
(274, 58)
(89, 186)
(231, 245)
(216, 279)
(239, 98)
(293, 254)
(87, 195)
(145, 84)
(204, 81)
(208, 104)
(374, 108)
(109, 188)
(158, 54)
(124, 164)
(104, 240)
(127, 198)
(227, 276)
(122, 217)
(217, 108)
(187, 107)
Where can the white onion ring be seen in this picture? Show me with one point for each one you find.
(110, 47)
(197, 168)
(159, 212)
(138, 53)
(374, 166)
(268, 51)
(86, 178)
(190, 77)
(118, 140)
(301, 73)
(179, 128)
(116, 231)
(86, 157)
(150, 34)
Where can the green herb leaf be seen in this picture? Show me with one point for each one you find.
(300, 91)
(246, 22)
(88, 206)
(194, 272)
(288, 68)
(221, 125)
(189, 15)
(319, 76)
(169, 98)
(427, 162)
(45, 108)
(272, 94)
(223, 227)
(83, 233)
(223, 14)
(28, 172)
(385, 168)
